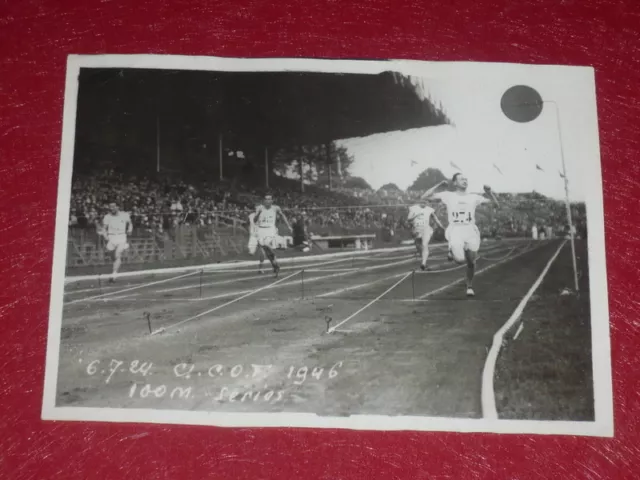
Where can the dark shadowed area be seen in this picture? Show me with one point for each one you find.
(127, 115)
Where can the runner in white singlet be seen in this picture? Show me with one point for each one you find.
(253, 241)
(116, 225)
(462, 233)
(420, 220)
(267, 232)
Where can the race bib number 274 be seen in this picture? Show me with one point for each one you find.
(462, 217)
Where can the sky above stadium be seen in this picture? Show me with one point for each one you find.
(486, 146)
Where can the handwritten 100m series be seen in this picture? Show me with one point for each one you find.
(187, 372)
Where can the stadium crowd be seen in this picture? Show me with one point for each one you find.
(159, 204)
(163, 203)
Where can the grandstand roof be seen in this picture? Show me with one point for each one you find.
(272, 108)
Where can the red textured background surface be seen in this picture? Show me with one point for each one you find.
(35, 38)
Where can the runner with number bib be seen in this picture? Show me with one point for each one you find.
(420, 220)
(265, 218)
(462, 234)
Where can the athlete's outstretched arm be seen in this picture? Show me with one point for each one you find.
(437, 220)
(104, 228)
(257, 214)
(129, 225)
(285, 219)
(411, 216)
(429, 193)
(488, 193)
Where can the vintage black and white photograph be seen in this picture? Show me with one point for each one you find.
(380, 245)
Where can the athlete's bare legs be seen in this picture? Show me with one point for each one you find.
(117, 255)
(471, 258)
(261, 260)
(272, 258)
(425, 255)
(418, 243)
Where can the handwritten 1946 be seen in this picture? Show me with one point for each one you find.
(242, 383)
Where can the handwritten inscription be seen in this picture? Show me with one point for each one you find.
(220, 383)
(110, 368)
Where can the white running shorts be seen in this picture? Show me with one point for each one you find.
(462, 238)
(117, 242)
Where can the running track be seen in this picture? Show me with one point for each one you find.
(417, 350)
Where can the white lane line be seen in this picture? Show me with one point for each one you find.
(254, 276)
(130, 288)
(92, 289)
(329, 270)
(520, 328)
(245, 263)
(292, 267)
(361, 285)
(244, 270)
(458, 267)
(117, 297)
(382, 259)
(488, 394)
(506, 255)
(443, 270)
(250, 277)
(333, 329)
(211, 284)
(462, 279)
(310, 280)
(211, 310)
(220, 295)
(335, 292)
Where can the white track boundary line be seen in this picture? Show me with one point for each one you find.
(458, 267)
(333, 329)
(234, 280)
(118, 297)
(508, 253)
(368, 284)
(361, 285)
(310, 280)
(488, 394)
(335, 292)
(385, 258)
(311, 270)
(462, 279)
(243, 271)
(519, 331)
(354, 287)
(253, 276)
(248, 269)
(329, 270)
(252, 292)
(443, 270)
(117, 292)
(92, 289)
(245, 263)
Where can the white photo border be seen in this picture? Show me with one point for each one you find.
(602, 426)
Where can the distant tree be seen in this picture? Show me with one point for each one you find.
(356, 182)
(427, 179)
(390, 187)
(315, 162)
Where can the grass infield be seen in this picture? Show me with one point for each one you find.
(545, 373)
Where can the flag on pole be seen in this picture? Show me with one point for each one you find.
(454, 165)
(499, 171)
(538, 167)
